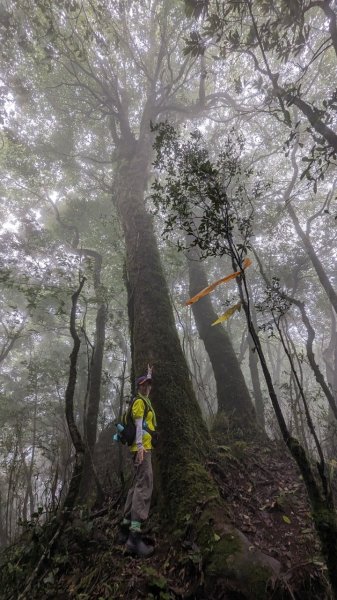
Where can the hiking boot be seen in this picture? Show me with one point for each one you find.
(123, 533)
(135, 545)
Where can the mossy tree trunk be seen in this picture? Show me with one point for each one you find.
(186, 489)
(183, 434)
(95, 379)
(233, 396)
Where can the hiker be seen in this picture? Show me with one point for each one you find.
(138, 500)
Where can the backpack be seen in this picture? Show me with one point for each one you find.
(127, 428)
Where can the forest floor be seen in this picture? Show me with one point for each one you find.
(267, 503)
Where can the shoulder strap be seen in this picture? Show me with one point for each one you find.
(146, 407)
(128, 412)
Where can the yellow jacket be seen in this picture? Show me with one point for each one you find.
(138, 412)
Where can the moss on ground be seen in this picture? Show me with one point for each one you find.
(249, 571)
(208, 557)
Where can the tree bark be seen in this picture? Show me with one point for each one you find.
(311, 357)
(75, 435)
(314, 118)
(232, 392)
(95, 378)
(154, 340)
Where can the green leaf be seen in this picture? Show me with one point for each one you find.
(216, 537)
(286, 519)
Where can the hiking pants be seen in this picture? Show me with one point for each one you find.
(137, 505)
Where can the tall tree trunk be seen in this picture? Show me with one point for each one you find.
(232, 392)
(254, 369)
(186, 487)
(154, 340)
(90, 422)
(75, 435)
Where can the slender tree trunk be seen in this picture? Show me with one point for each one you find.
(75, 435)
(53, 487)
(311, 357)
(97, 358)
(90, 431)
(316, 263)
(10, 493)
(255, 377)
(233, 395)
(298, 413)
(120, 412)
(330, 359)
(3, 537)
(254, 369)
(29, 472)
(29, 490)
(327, 390)
(322, 276)
(91, 410)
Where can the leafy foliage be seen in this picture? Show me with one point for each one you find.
(210, 199)
(282, 42)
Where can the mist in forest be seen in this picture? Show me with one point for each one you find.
(151, 151)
